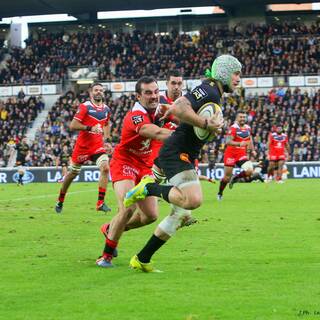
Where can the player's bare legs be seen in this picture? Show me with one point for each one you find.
(224, 181)
(148, 212)
(170, 224)
(67, 181)
(21, 172)
(245, 175)
(189, 197)
(103, 164)
(71, 175)
(64, 172)
(139, 217)
(279, 171)
(271, 169)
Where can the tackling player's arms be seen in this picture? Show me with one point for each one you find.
(152, 131)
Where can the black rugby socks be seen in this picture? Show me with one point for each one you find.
(158, 190)
(150, 248)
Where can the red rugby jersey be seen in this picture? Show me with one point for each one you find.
(90, 114)
(134, 148)
(277, 142)
(239, 134)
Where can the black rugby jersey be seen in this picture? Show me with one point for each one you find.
(183, 139)
(22, 151)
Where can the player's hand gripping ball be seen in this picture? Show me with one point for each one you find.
(213, 113)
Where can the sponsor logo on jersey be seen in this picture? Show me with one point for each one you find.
(129, 171)
(137, 119)
(82, 158)
(27, 177)
(185, 157)
(145, 144)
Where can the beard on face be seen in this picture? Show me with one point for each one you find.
(98, 97)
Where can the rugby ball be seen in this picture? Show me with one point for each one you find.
(206, 111)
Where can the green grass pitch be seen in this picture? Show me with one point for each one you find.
(255, 255)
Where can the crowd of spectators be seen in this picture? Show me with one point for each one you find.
(297, 111)
(271, 49)
(263, 49)
(16, 116)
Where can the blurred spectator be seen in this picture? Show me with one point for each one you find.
(16, 116)
(21, 94)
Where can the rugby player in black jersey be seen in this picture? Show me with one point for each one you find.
(23, 152)
(177, 156)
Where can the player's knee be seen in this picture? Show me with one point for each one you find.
(193, 201)
(103, 164)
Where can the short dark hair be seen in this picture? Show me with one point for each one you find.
(144, 80)
(173, 73)
(240, 111)
(94, 84)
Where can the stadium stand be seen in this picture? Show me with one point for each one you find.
(272, 49)
(301, 108)
(16, 116)
(283, 48)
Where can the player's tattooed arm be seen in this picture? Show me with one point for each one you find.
(182, 109)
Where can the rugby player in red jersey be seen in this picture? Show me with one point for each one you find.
(133, 159)
(238, 144)
(93, 143)
(278, 151)
(174, 91)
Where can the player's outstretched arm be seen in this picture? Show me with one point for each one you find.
(152, 131)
